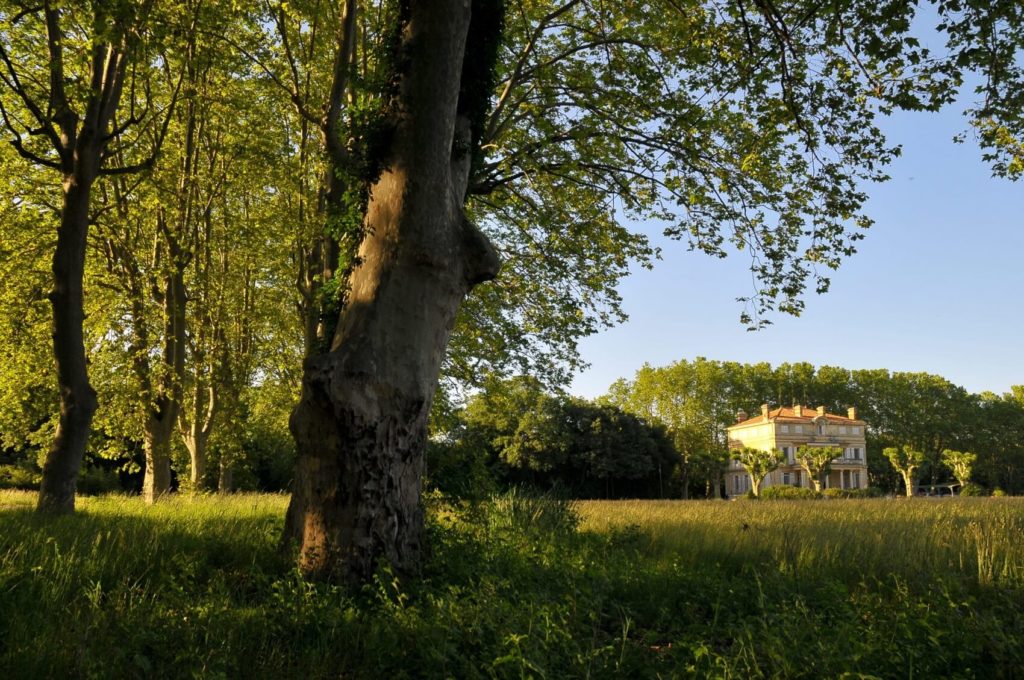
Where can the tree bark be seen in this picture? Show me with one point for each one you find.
(196, 442)
(77, 397)
(360, 425)
(226, 480)
(908, 482)
(165, 403)
(157, 447)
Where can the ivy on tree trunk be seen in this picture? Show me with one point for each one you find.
(361, 423)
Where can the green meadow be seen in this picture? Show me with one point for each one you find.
(522, 586)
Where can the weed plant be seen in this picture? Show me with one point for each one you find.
(522, 587)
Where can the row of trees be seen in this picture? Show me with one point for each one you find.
(696, 400)
(233, 195)
(817, 463)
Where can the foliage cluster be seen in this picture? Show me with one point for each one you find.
(513, 588)
(517, 433)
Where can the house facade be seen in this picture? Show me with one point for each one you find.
(790, 428)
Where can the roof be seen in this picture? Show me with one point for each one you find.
(789, 415)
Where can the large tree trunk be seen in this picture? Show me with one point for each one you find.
(360, 426)
(77, 397)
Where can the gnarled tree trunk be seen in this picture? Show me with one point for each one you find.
(361, 424)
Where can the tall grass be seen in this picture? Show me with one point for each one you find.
(977, 539)
(521, 587)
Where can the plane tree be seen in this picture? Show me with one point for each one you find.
(739, 127)
(817, 462)
(758, 463)
(907, 462)
(961, 463)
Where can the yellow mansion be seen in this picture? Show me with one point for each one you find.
(790, 428)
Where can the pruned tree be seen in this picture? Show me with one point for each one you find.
(907, 462)
(961, 463)
(817, 462)
(758, 463)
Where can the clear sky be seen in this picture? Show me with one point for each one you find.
(935, 285)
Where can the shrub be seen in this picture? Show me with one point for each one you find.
(93, 481)
(459, 470)
(972, 489)
(24, 476)
(998, 492)
(869, 492)
(784, 491)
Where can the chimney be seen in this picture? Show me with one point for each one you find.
(741, 415)
(821, 410)
(851, 413)
(798, 410)
(764, 410)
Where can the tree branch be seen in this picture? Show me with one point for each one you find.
(339, 85)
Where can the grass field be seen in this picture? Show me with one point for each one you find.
(523, 587)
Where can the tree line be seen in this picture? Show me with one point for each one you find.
(207, 204)
(696, 400)
(662, 433)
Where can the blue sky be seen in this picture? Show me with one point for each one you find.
(935, 286)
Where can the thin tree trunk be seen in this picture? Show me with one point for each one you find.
(360, 426)
(157, 448)
(226, 480)
(196, 431)
(166, 403)
(77, 397)
(196, 442)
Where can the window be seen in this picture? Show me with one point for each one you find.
(842, 429)
(856, 454)
(854, 430)
(785, 429)
(787, 478)
(856, 480)
(799, 429)
(821, 428)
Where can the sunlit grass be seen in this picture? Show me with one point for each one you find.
(977, 538)
(197, 587)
